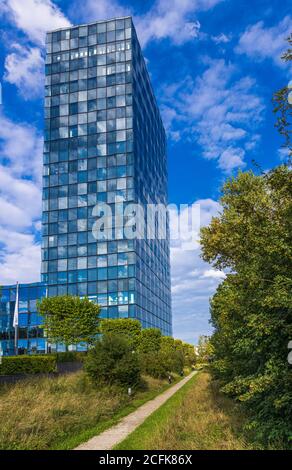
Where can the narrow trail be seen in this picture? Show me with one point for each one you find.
(114, 435)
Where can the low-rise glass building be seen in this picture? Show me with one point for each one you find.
(30, 334)
(31, 338)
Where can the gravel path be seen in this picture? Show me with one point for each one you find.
(112, 436)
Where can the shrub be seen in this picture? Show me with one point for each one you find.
(150, 340)
(129, 328)
(112, 361)
(70, 356)
(189, 355)
(172, 354)
(154, 364)
(13, 365)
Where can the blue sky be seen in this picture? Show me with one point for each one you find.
(214, 66)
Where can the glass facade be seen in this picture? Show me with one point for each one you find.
(104, 142)
(30, 332)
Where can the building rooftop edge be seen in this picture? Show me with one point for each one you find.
(89, 24)
(23, 284)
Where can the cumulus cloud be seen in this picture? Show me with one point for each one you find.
(218, 111)
(261, 42)
(221, 38)
(172, 19)
(169, 19)
(24, 69)
(21, 148)
(20, 201)
(215, 274)
(35, 17)
(24, 63)
(21, 258)
(284, 153)
(231, 158)
(193, 283)
(101, 10)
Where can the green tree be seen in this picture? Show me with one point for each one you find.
(150, 340)
(171, 354)
(69, 320)
(189, 354)
(154, 364)
(205, 349)
(126, 327)
(283, 108)
(252, 309)
(113, 361)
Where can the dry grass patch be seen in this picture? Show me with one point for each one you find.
(42, 413)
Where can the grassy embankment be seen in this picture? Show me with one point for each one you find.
(197, 417)
(62, 412)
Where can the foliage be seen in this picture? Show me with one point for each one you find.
(69, 320)
(283, 108)
(113, 361)
(154, 364)
(158, 355)
(13, 365)
(189, 355)
(150, 340)
(205, 349)
(172, 354)
(126, 327)
(70, 356)
(252, 309)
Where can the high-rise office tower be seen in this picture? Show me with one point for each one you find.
(104, 143)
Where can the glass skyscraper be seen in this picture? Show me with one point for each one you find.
(104, 143)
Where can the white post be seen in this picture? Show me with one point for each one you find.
(16, 320)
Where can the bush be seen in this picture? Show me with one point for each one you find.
(189, 355)
(14, 365)
(150, 340)
(154, 364)
(70, 356)
(129, 328)
(171, 351)
(112, 361)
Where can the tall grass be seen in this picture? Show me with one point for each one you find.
(60, 412)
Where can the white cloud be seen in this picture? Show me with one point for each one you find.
(231, 158)
(169, 19)
(35, 17)
(213, 273)
(21, 147)
(20, 201)
(24, 64)
(284, 154)
(221, 38)
(24, 69)
(193, 283)
(172, 19)
(216, 110)
(261, 42)
(21, 259)
(93, 10)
